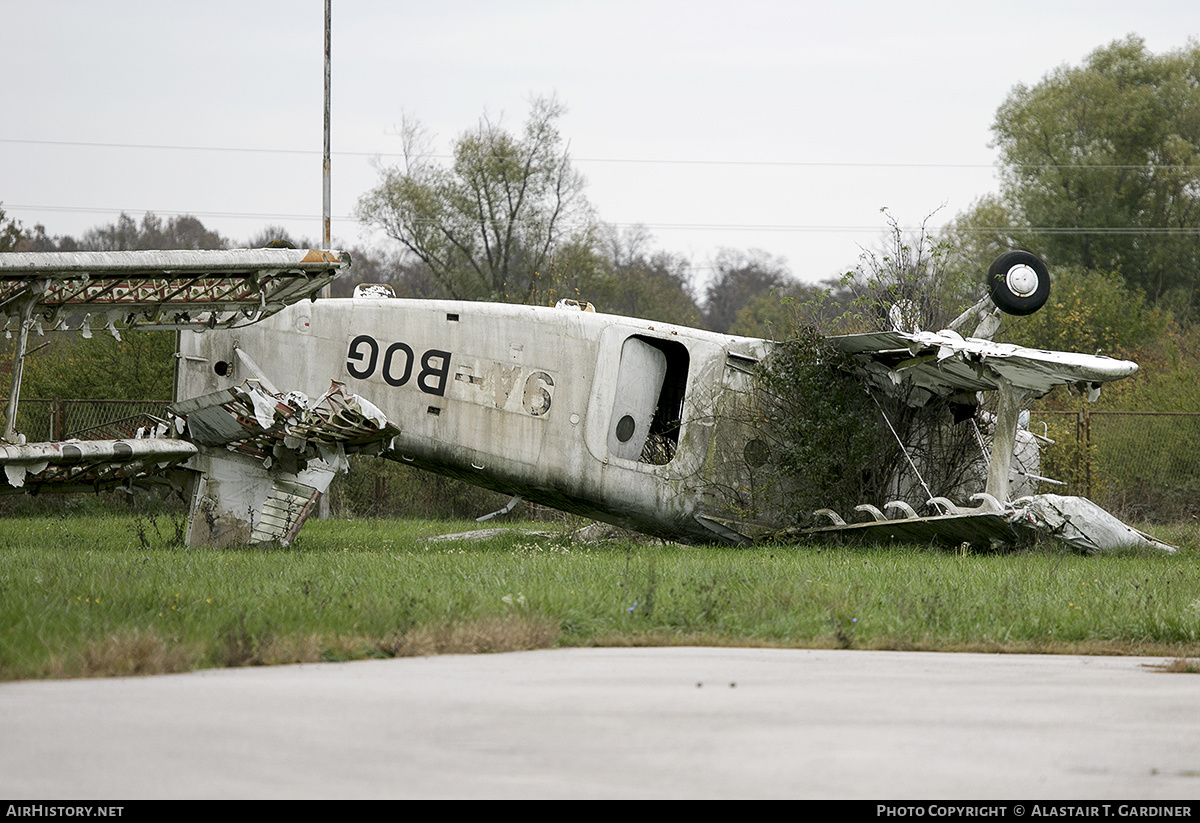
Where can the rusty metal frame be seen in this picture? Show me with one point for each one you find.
(165, 289)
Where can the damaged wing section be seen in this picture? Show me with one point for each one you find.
(264, 458)
(88, 465)
(944, 363)
(1079, 522)
(1076, 521)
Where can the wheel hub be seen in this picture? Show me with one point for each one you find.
(1022, 280)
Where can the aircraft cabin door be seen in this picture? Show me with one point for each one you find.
(639, 384)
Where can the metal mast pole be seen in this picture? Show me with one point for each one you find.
(326, 207)
(326, 236)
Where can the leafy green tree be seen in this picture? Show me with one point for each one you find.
(740, 278)
(802, 387)
(775, 314)
(139, 366)
(497, 222)
(10, 232)
(624, 275)
(1101, 166)
(653, 287)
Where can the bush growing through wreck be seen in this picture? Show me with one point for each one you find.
(829, 445)
(830, 439)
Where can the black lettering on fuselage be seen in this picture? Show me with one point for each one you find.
(537, 395)
(488, 383)
(389, 374)
(440, 373)
(363, 356)
(356, 356)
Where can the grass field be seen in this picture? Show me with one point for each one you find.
(106, 595)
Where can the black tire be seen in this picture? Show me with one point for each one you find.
(1019, 283)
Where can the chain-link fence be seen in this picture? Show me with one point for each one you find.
(45, 420)
(42, 420)
(1142, 466)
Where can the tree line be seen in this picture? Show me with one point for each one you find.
(1100, 176)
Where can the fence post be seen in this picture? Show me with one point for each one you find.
(1085, 448)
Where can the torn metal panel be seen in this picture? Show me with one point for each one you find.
(1079, 522)
(235, 500)
(251, 420)
(266, 458)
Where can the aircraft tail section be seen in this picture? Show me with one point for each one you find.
(235, 500)
(266, 458)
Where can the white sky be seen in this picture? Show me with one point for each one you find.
(781, 126)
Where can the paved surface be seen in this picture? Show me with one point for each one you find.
(631, 723)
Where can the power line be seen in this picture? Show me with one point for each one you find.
(626, 160)
(174, 213)
(732, 227)
(143, 146)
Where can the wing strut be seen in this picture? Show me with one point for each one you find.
(26, 303)
(1004, 439)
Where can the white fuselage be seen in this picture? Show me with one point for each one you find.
(606, 416)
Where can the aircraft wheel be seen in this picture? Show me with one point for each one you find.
(1019, 283)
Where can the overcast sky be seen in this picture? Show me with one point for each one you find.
(780, 126)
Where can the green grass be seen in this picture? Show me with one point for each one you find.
(95, 595)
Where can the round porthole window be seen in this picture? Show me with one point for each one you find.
(625, 427)
(756, 453)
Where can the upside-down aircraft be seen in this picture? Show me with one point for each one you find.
(619, 419)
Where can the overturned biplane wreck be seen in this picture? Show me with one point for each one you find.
(615, 418)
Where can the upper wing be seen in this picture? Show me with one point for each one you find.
(945, 362)
(161, 289)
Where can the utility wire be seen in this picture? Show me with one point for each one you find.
(751, 227)
(617, 160)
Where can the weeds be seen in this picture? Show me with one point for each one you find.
(97, 596)
(1180, 665)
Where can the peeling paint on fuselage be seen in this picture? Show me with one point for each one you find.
(519, 399)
